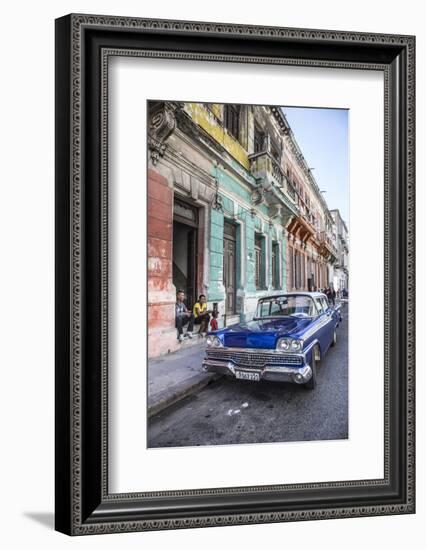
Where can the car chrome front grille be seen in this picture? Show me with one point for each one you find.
(255, 359)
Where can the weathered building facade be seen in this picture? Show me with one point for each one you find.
(311, 250)
(233, 212)
(341, 267)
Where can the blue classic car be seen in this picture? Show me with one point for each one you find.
(288, 336)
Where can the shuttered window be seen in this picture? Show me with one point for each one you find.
(259, 257)
(259, 140)
(232, 119)
(275, 265)
(290, 271)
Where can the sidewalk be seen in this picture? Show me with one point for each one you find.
(174, 376)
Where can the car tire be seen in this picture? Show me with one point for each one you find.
(312, 382)
(334, 341)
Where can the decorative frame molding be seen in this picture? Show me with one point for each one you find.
(84, 43)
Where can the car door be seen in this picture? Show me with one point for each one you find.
(330, 326)
(325, 328)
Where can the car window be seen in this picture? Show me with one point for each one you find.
(298, 305)
(276, 308)
(264, 309)
(320, 305)
(326, 305)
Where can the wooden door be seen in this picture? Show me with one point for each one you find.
(230, 267)
(274, 266)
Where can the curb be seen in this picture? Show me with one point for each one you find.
(164, 399)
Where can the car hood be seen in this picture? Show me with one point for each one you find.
(262, 333)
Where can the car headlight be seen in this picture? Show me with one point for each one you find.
(284, 344)
(288, 344)
(213, 341)
(296, 345)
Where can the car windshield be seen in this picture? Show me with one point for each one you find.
(285, 306)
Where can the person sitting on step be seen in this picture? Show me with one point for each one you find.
(183, 316)
(201, 314)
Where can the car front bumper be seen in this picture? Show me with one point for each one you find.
(230, 361)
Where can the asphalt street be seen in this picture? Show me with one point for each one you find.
(232, 411)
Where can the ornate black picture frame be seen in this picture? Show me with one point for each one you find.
(84, 44)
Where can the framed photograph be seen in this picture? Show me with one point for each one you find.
(234, 274)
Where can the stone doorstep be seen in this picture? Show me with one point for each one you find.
(174, 344)
(189, 342)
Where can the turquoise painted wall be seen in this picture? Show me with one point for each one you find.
(251, 224)
(226, 181)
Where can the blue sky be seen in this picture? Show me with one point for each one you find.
(322, 135)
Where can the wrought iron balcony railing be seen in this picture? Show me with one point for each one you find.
(327, 242)
(265, 167)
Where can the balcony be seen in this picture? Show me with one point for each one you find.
(327, 247)
(266, 169)
(341, 264)
(309, 223)
(263, 165)
(302, 227)
(290, 189)
(343, 240)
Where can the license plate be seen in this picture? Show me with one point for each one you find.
(244, 375)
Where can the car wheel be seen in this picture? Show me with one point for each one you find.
(312, 382)
(334, 341)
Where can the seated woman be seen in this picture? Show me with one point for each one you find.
(201, 315)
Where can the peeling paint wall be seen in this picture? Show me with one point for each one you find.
(211, 123)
